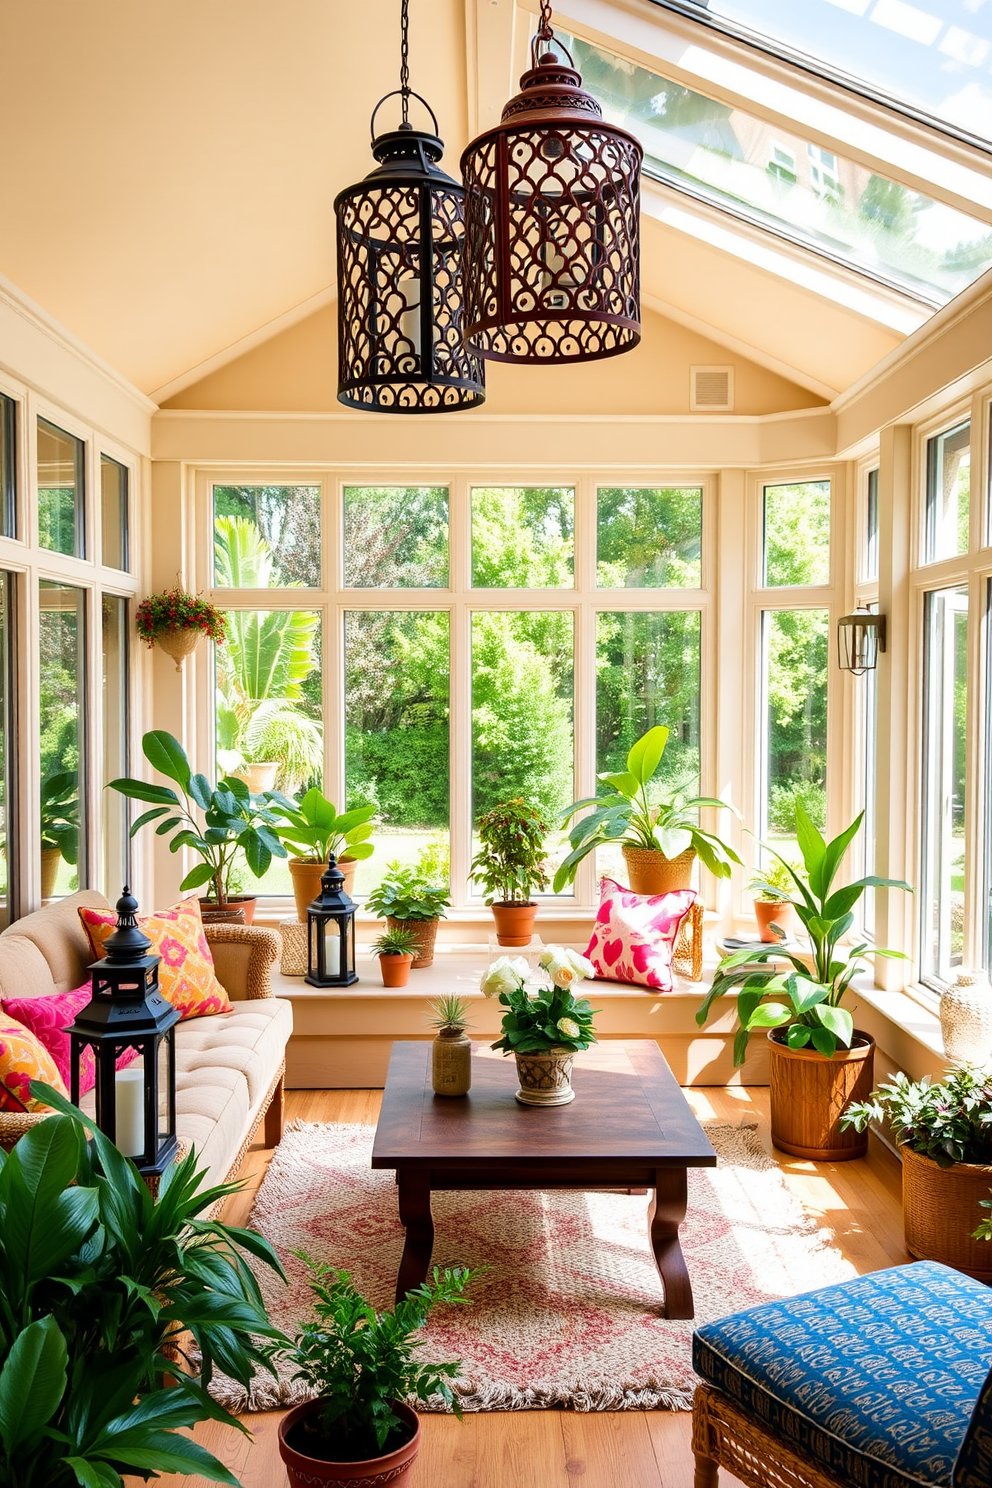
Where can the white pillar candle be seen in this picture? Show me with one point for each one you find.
(410, 317)
(332, 950)
(130, 1091)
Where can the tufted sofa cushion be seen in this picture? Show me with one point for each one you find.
(875, 1379)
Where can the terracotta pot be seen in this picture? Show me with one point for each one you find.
(768, 913)
(259, 777)
(306, 876)
(303, 1471)
(451, 1064)
(239, 910)
(514, 923)
(941, 1207)
(545, 1079)
(425, 934)
(650, 872)
(178, 644)
(395, 968)
(51, 857)
(809, 1093)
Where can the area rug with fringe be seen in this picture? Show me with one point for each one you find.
(568, 1313)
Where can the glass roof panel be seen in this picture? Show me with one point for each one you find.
(934, 55)
(779, 180)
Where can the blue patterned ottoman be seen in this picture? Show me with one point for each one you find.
(880, 1382)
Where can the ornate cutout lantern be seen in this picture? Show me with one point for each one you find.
(331, 933)
(860, 637)
(135, 1106)
(552, 250)
(400, 313)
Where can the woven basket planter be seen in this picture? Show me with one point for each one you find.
(179, 643)
(941, 1207)
(424, 933)
(650, 872)
(809, 1094)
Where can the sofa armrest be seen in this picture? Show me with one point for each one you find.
(243, 959)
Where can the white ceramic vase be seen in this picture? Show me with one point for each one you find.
(966, 1019)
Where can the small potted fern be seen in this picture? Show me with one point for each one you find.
(451, 1061)
(362, 1368)
(395, 950)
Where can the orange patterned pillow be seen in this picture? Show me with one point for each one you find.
(24, 1058)
(186, 976)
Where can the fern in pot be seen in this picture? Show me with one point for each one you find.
(412, 898)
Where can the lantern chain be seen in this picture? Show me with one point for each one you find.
(405, 59)
(545, 31)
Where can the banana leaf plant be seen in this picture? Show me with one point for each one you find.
(816, 983)
(60, 813)
(98, 1283)
(625, 814)
(234, 822)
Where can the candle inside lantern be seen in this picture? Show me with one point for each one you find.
(410, 317)
(130, 1100)
(332, 950)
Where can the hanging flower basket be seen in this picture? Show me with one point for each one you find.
(177, 621)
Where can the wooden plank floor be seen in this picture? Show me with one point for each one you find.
(859, 1201)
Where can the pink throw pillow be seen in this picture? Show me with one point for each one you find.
(633, 937)
(48, 1018)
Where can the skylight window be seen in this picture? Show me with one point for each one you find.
(933, 56)
(801, 190)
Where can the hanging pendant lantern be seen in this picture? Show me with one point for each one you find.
(552, 250)
(400, 310)
(860, 637)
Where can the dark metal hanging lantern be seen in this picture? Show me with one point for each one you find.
(135, 1106)
(860, 637)
(552, 250)
(331, 933)
(400, 309)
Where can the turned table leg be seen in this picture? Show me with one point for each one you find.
(665, 1213)
(415, 1215)
(707, 1473)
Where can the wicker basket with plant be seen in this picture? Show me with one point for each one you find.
(176, 621)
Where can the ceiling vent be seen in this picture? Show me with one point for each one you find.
(711, 389)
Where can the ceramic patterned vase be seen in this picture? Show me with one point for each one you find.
(545, 1079)
(966, 1019)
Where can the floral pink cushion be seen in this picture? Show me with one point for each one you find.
(634, 934)
(24, 1058)
(48, 1018)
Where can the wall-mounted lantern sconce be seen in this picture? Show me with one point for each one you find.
(860, 637)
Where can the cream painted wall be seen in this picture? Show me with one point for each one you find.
(297, 370)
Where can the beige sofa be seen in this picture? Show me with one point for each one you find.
(229, 1067)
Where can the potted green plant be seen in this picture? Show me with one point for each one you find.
(234, 823)
(773, 907)
(543, 1030)
(407, 898)
(59, 825)
(313, 830)
(176, 621)
(819, 1062)
(510, 866)
(944, 1131)
(100, 1282)
(362, 1368)
(451, 1056)
(660, 839)
(395, 950)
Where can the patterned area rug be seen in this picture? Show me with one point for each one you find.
(568, 1314)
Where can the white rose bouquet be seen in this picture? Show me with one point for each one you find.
(552, 1017)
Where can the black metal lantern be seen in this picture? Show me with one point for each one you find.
(860, 637)
(135, 1106)
(552, 230)
(331, 933)
(400, 312)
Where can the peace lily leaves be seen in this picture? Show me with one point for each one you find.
(627, 815)
(96, 1278)
(234, 821)
(815, 987)
(314, 829)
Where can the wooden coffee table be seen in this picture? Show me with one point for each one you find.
(629, 1126)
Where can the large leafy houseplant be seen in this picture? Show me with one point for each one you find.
(234, 822)
(313, 828)
(816, 984)
(362, 1366)
(406, 892)
(627, 814)
(98, 1284)
(60, 814)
